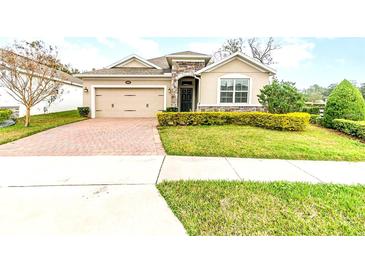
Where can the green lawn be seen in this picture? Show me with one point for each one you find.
(252, 142)
(254, 208)
(38, 123)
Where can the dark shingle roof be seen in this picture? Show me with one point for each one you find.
(160, 61)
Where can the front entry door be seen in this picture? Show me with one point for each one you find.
(186, 103)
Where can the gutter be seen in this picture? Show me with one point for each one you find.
(121, 76)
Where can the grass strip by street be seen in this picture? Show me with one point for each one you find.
(226, 208)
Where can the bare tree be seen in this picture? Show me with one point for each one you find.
(259, 49)
(262, 50)
(29, 72)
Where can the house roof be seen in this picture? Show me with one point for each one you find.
(160, 61)
(126, 71)
(161, 65)
(70, 78)
(134, 56)
(249, 60)
(188, 53)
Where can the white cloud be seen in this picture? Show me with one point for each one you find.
(80, 55)
(106, 42)
(293, 52)
(340, 61)
(146, 48)
(83, 57)
(204, 47)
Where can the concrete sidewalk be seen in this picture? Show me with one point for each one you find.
(108, 210)
(147, 170)
(209, 168)
(117, 194)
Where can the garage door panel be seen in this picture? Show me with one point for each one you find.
(128, 102)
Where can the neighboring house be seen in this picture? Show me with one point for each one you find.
(136, 87)
(70, 98)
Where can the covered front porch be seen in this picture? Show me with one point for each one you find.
(187, 94)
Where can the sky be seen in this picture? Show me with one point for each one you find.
(305, 61)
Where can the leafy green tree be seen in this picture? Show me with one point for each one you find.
(344, 102)
(329, 89)
(362, 89)
(281, 97)
(314, 93)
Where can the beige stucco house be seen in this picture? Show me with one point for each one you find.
(136, 87)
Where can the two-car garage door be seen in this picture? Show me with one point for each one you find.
(128, 102)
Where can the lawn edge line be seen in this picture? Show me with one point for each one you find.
(159, 171)
(235, 171)
(306, 172)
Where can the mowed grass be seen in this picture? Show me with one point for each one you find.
(38, 123)
(252, 142)
(252, 208)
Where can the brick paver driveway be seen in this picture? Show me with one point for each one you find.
(125, 136)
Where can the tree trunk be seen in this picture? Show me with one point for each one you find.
(27, 117)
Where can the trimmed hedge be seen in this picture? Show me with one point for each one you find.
(5, 114)
(314, 118)
(290, 121)
(171, 109)
(83, 111)
(311, 110)
(354, 128)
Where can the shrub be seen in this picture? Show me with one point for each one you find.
(311, 110)
(281, 97)
(290, 121)
(171, 109)
(344, 102)
(314, 118)
(83, 111)
(354, 128)
(5, 114)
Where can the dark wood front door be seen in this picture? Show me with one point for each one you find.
(186, 103)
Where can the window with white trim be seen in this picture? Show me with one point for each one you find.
(234, 90)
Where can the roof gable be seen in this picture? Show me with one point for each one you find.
(133, 61)
(188, 53)
(242, 57)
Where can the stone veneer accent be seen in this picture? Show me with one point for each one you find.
(14, 109)
(179, 70)
(231, 108)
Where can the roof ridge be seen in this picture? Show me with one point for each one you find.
(187, 51)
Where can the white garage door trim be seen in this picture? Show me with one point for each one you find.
(94, 87)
